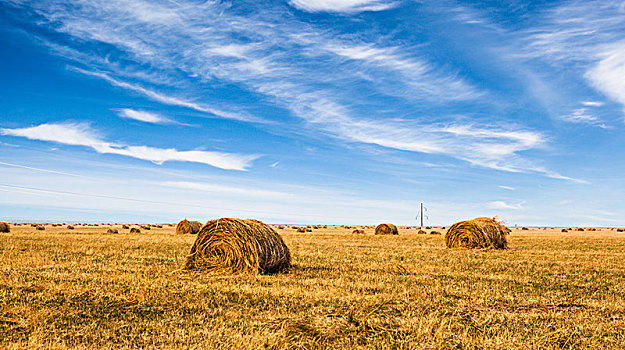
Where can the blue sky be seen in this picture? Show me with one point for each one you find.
(313, 111)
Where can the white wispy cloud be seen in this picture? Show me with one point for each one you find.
(510, 188)
(144, 116)
(318, 76)
(81, 134)
(592, 103)
(589, 37)
(582, 116)
(348, 6)
(606, 76)
(504, 205)
(169, 100)
(229, 190)
(416, 73)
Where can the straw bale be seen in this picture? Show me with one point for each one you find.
(231, 245)
(477, 233)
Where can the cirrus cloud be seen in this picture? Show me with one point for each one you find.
(81, 134)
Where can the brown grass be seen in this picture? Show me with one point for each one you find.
(85, 289)
(230, 245)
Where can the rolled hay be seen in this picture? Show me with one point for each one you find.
(565, 230)
(112, 230)
(231, 245)
(186, 227)
(125, 227)
(386, 229)
(135, 230)
(40, 228)
(70, 227)
(620, 230)
(435, 233)
(421, 232)
(358, 232)
(147, 228)
(4, 227)
(477, 233)
(301, 229)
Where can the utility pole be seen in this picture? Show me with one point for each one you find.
(421, 215)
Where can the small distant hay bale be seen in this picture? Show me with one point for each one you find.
(620, 230)
(435, 233)
(580, 229)
(421, 232)
(428, 227)
(40, 228)
(144, 227)
(477, 233)
(301, 229)
(112, 230)
(524, 229)
(135, 230)
(358, 232)
(386, 229)
(565, 230)
(4, 227)
(231, 245)
(125, 227)
(308, 229)
(280, 227)
(70, 227)
(186, 227)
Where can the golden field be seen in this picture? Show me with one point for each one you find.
(88, 289)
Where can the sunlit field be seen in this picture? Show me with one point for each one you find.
(85, 288)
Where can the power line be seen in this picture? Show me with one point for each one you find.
(25, 188)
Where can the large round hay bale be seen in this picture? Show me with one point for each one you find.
(40, 228)
(358, 232)
(186, 227)
(234, 246)
(4, 227)
(386, 229)
(135, 230)
(477, 233)
(112, 230)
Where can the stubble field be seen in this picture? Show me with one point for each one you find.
(88, 289)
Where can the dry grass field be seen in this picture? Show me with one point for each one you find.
(85, 288)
